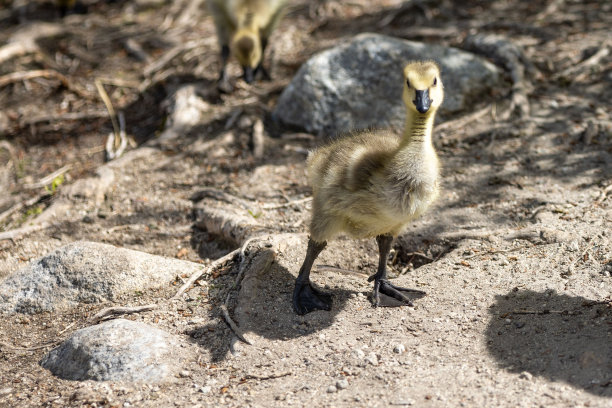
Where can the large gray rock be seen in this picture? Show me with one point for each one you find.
(86, 272)
(358, 85)
(118, 350)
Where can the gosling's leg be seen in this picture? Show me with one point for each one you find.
(394, 295)
(305, 297)
(260, 70)
(224, 85)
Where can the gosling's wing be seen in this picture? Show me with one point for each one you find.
(353, 162)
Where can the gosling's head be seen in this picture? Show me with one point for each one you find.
(247, 50)
(423, 91)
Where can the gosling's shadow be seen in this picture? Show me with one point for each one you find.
(559, 337)
(264, 308)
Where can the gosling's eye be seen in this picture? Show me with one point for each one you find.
(435, 81)
(408, 83)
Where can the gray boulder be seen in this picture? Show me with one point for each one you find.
(86, 272)
(358, 85)
(118, 350)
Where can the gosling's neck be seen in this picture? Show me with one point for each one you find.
(418, 128)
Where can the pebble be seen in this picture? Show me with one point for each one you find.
(526, 376)
(358, 353)
(342, 384)
(206, 389)
(399, 348)
(331, 389)
(372, 359)
(573, 246)
(184, 374)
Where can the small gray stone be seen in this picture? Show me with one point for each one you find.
(358, 85)
(372, 359)
(86, 272)
(525, 375)
(331, 389)
(399, 348)
(342, 384)
(118, 350)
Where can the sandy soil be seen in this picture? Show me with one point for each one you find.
(514, 257)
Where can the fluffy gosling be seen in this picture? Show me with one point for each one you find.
(372, 184)
(243, 28)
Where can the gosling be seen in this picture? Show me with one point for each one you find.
(243, 28)
(372, 184)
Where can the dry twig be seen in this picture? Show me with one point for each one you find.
(198, 274)
(265, 377)
(109, 105)
(237, 331)
(16, 348)
(48, 179)
(287, 204)
(17, 233)
(19, 206)
(32, 120)
(39, 73)
(115, 147)
(120, 310)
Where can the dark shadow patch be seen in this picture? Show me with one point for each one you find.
(559, 337)
(414, 252)
(269, 312)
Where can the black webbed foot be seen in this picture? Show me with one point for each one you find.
(307, 299)
(388, 295)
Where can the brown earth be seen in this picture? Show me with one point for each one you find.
(515, 257)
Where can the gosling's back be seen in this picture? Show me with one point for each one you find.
(234, 14)
(362, 188)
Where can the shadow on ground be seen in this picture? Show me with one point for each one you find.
(559, 337)
(268, 313)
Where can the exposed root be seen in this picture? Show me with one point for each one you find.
(512, 58)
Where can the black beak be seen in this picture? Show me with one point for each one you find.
(422, 101)
(248, 75)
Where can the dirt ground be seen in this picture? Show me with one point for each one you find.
(515, 256)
